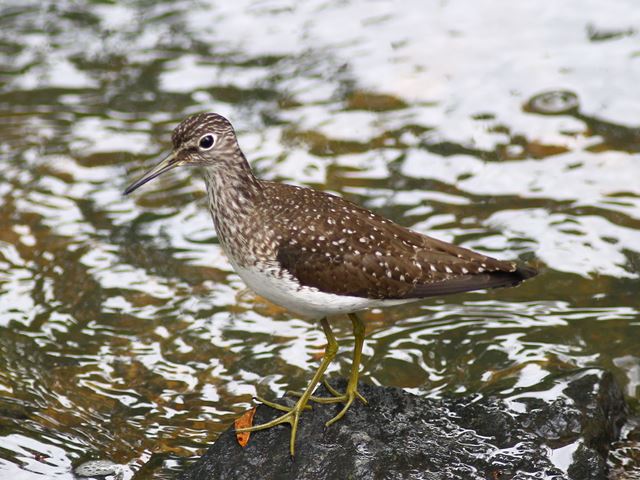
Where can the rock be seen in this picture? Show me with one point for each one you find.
(401, 435)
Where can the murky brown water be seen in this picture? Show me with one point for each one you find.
(125, 334)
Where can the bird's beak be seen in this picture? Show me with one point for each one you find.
(170, 162)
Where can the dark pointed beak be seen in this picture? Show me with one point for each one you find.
(168, 163)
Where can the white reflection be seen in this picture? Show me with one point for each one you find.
(186, 75)
(582, 244)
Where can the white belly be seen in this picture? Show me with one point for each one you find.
(308, 301)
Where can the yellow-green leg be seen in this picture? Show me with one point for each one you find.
(351, 393)
(293, 413)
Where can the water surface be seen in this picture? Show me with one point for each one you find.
(124, 333)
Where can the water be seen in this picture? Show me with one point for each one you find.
(124, 333)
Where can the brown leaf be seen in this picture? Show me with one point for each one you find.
(318, 354)
(246, 420)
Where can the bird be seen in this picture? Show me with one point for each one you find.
(318, 254)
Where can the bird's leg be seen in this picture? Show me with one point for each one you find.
(351, 392)
(293, 413)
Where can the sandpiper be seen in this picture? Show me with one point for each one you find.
(317, 254)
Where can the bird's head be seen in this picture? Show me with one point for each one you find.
(205, 139)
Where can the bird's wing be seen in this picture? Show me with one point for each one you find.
(399, 264)
(348, 250)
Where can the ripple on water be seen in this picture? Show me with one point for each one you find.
(124, 333)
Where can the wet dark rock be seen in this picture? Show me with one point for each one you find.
(400, 435)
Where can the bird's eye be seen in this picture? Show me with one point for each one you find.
(207, 141)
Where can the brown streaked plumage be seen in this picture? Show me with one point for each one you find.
(347, 250)
(316, 253)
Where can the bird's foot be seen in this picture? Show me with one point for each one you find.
(350, 394)
(277, 406)
(292, 414)
(291, 417)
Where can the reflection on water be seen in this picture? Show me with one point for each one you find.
(124, 333)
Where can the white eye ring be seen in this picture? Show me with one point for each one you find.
(207, 141)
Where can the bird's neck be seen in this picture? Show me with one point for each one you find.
(233, 192)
